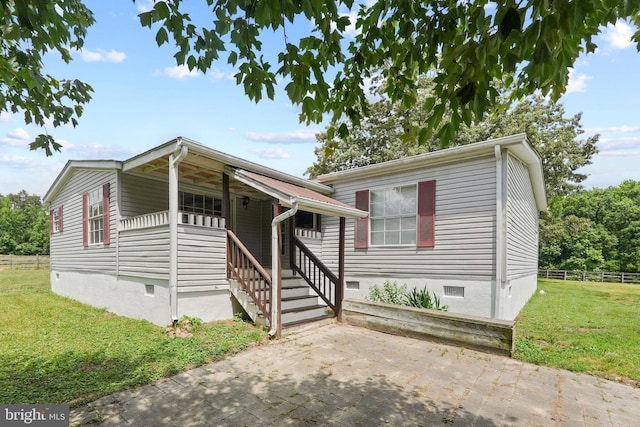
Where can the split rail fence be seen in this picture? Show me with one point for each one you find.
(10, 262)
(590, 276)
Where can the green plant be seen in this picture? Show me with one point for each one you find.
(389, 293)
(423, 299)
(67, 352)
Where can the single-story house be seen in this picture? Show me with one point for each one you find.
(184, 229)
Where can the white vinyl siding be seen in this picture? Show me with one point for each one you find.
(465, 221)
(145, 253)
(67, 250)
(522, 222)
(142, 195)
(202, 257)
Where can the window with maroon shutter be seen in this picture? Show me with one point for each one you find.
(55, 220)
(96, 216)
(85, 219)
(426, 213)
(60, 219)
(361, 232)
(106, 212)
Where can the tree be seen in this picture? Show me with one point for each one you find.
(383, 136)
(598, 229)
(24, 225)
(465, 45)
(29, 29)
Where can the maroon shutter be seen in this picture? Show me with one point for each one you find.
(426, 214)
(51, 221)
(85, 219)
(361, 232)
(106, 206)
(60, 219)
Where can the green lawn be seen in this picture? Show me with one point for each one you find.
(587, 327)
(55, 350)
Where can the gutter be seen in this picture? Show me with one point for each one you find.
(275, 265)
(174, 160)
(501, 233)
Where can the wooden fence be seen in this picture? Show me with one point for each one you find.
(10, 262)
(590, 276)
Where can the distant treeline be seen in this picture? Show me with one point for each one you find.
(596, 229)
(24, 224)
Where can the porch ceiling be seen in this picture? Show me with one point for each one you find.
(197, 170)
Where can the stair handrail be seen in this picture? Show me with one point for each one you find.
(244, 267)
(321, 271)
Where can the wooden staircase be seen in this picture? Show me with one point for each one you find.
(300, 305)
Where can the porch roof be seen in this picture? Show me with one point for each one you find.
(288, 193)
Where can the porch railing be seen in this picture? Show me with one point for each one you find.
(251, 276)
(324, 282)
(162, 218)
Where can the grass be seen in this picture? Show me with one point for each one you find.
(56, 350)
(589, 327)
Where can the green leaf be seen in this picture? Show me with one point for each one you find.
(542, 54)
(162, 36)
(466, 93)
(510, 22)
(161, 9)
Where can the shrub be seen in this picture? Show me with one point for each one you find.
(390, 293)
(423, 299)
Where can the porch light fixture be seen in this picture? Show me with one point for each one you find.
(245, 202)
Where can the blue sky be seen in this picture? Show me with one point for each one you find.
(142, 100)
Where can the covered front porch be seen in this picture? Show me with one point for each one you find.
(226, 220)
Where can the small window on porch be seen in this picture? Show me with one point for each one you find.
(308, 220)
(199, 203)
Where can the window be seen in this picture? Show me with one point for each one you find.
(56, 221)
(403, 215)
(393, 216)
(198, 203)
(95, 216)
(308, 220)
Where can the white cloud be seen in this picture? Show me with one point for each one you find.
(16, 138)
(217, 74)
(180, 72)
(627, 146)
(619, 35)
(4, 116)
(271, 153)
(292, 137)
(144, 5)
(101, 55)
(614, 129)
(97, 151)
(577, 81)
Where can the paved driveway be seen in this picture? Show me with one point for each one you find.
(348, 376)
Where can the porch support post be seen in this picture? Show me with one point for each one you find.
(174, 160)
(340, 287)
(226, 201)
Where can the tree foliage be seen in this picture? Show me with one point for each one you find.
(24, 225)
(383, 136)
(465, 45)
(28, 30)
(597, 230)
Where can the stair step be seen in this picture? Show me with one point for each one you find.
(316, 321)
(301, 314)
(299, 302)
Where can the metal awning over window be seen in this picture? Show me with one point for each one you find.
(287, 193)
